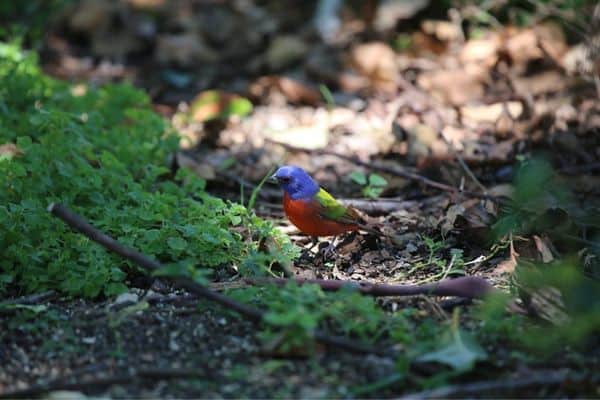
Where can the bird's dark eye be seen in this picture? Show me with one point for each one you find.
(285, 179)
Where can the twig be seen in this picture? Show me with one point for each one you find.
(495, 387)
(105, 380)
(381, 205)
(468, 286)
(391, 170)
(577, 169)
(30, 299)
(78, 223)
(60, 384)
(464, 165)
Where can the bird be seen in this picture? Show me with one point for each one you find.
(311, 208)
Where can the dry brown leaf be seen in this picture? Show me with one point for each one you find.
(442, 30)
(310, 137)
(451, 214)
(578, 60)
(507, 266)
(9, 150)
(147, 4)
(481, 51)
(293, 90)
(491, 112)
(425, 46)
(551, 39)
(389, 12)
(544, 248)
(420, 139)
(377, 62)
(212, 104)
(542, 83)
(522, 47)
(455, 87)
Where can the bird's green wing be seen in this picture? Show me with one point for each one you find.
(330, 208)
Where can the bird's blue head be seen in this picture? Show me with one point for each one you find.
(296, 182)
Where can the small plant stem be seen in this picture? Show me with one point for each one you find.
(252, 200)
(441, 275)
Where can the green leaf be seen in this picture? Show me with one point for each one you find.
(358, 177)
(177, 243)
(372, 192)
(238, 106)
(377, 180)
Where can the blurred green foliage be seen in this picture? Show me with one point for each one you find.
(28, 20)
(372, 185)
(574, 15)
(103, 152)
(564, 293)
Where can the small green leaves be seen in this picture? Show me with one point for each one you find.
(110, 167)
(176, 243)
(358, 177)
(373, 185)
(377, 180)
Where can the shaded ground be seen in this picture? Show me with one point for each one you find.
(458, 111)
(176, 350)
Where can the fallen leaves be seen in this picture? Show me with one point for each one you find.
(377, 62)
(454, 86)
(266, 89)
(213, 104)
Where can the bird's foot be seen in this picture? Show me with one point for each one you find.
(306, 251)
(314, 242)
(329, 251)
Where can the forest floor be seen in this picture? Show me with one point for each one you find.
(423, 138)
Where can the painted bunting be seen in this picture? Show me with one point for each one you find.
(310, 208)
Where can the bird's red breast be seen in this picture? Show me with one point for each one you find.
(305, 214)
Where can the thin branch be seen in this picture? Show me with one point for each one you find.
(391, 170)
(380, 205)
(577, 169)
(464, 165)
(501, 388)
(468, 286)
(106, 380)
(79, 224)
(31, 299)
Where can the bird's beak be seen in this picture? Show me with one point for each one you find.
(273, 179)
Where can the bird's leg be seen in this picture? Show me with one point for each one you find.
(330, 249)
(314, 242)
(306, 251)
